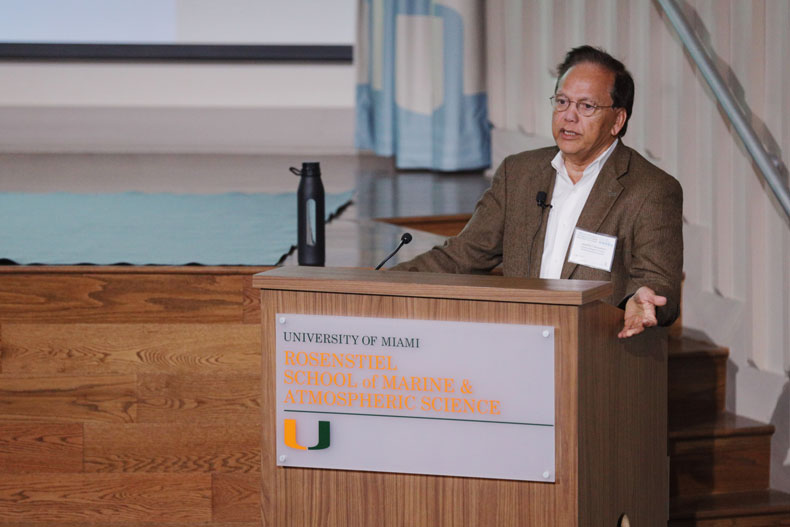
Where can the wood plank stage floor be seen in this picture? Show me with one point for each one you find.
(129, 396)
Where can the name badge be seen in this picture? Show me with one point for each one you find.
(592, 250)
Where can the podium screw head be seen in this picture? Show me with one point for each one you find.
(282, 458)
(546, 475)
(546, 333)
(282, 320)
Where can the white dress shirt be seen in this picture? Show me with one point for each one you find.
(567, 202)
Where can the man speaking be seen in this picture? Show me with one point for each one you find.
(589, 208)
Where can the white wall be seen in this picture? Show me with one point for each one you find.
(157, 85)
(737, 289)
(170, 106)
(166, 107)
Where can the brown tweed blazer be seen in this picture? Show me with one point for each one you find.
(632, 199)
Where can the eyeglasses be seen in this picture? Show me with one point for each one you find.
(560, 103)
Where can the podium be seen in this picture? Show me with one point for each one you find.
(609, 406)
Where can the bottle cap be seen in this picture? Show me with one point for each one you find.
(311, 169)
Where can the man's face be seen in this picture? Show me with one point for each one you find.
(582, 139)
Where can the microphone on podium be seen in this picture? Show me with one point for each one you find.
(406, 238)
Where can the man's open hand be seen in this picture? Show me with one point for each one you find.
(640, 311)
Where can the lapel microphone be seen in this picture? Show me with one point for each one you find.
(541, 199)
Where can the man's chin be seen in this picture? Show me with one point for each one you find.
(568, 148)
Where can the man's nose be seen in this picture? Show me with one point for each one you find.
(572, 113)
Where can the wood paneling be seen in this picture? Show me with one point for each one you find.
(622, 421)
(732, 464)
(81, 349)
(191, 416)
(758, 520)
(236, 497)
(40, 447)
(106, 498)
(119, 297)
(221, 398)
(764, 508)
(176, 523)
(129, 348)
(697, 381)
(108, 398)
(172, 448)
(730, 454)
(251, 308)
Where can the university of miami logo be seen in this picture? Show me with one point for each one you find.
(290, 435)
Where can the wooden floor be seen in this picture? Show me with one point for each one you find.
(129, 396)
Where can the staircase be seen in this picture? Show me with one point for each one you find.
(719, 461)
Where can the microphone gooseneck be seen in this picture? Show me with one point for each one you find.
(540, 197)
(406, 238)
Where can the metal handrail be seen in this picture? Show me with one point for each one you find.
(768, 164)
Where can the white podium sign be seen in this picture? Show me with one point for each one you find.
(415, 396)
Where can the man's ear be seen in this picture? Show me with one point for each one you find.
(619, 121)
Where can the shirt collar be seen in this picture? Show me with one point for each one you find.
(593, 168)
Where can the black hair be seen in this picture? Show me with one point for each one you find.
(622, 92)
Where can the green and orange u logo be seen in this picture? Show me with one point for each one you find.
(290, 435)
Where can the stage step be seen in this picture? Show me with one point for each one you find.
(764, 508)
(729, 454)
(697, 376)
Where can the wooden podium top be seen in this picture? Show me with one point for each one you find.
(432, 285)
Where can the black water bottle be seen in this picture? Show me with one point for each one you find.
(310, 208)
